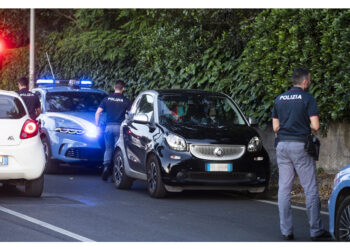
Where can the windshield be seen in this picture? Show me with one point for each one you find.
(11, 107)
(198, 109)
(73, 101)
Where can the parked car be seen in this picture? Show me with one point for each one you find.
(188, 139)
(68, 130)
(22, 158)
(339, 206)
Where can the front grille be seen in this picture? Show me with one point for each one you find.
(217, 152)
(84, 153)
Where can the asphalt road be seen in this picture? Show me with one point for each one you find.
(78, 206)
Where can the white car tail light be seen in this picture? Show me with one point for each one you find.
(29, 129)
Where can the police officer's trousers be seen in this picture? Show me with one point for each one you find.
(112, 132)
(291, 156)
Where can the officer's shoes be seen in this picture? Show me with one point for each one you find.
(325, 236)
(288, 237)
(105, 173)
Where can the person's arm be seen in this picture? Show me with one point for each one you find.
(275, 124)
(314, 123)
(97, 115)
(37, 111)
(37, 107)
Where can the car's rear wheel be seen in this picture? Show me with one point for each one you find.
(155, 183)
(34, 188)
(50, 165)
(120, 179)
(342, 221)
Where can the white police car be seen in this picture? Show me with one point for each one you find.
(68, 130)
(22, 158)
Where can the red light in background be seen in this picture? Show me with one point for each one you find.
(2, 46)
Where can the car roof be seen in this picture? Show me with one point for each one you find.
(187, 91)
(70, 89)
(10, 93)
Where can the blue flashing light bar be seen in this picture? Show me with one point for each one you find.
(45, 81)
(85, 82)
(73, 83)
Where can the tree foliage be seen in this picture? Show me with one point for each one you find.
(247, 54)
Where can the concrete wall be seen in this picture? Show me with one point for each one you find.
(335, 147)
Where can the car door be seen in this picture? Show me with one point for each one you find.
(138, 133)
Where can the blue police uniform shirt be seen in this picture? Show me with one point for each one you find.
(31, 101)
(293, 109)
(115, 107)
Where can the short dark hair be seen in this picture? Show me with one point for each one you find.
(299, 75)
(119, 85)
(23, 81)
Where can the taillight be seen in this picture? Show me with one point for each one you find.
(29, 129)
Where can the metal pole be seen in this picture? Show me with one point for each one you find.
(32, 49)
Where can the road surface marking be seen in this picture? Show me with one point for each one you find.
(295, 207)
(46, 225)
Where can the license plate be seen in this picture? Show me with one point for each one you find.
(3, 160)
(218, 167)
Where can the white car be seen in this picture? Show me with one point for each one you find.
(22, 157)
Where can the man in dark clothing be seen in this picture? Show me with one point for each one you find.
(295, 114)
(115, 107)
(31, 101)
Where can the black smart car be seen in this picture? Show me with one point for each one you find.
(189, 139)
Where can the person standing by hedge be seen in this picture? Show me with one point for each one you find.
(115, 107)
(294, 115)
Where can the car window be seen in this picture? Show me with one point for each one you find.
(199, 109)
(146, 106)
(73, 101)
(11, 107)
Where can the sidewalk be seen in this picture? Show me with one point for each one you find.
(325, 185)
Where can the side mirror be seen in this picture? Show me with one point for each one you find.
(252, 121)
(141, 118)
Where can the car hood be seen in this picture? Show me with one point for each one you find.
(88, 116)
(237, 134)
(70, 120)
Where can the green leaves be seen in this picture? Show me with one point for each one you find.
(247, 54)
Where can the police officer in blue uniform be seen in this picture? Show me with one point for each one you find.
(115, 107)
(295, 114)
(31, 101)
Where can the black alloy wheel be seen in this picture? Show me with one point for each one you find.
(342, 221)
(120, 179)
(155, 184)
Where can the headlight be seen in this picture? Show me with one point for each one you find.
(175, 142)
(254, 144)
(91, 131)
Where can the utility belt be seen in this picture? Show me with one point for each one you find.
(113, 123)
(312, 143)
(291, 138)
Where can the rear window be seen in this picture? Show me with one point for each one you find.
(11, 107)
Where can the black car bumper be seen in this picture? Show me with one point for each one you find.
(189, 172)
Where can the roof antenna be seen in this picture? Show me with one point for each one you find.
(48, 59)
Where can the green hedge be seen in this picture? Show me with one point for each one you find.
(248, 54)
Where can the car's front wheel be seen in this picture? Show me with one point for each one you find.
(120, 179)
(155, 183)
(342, 221)
(35, 187)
